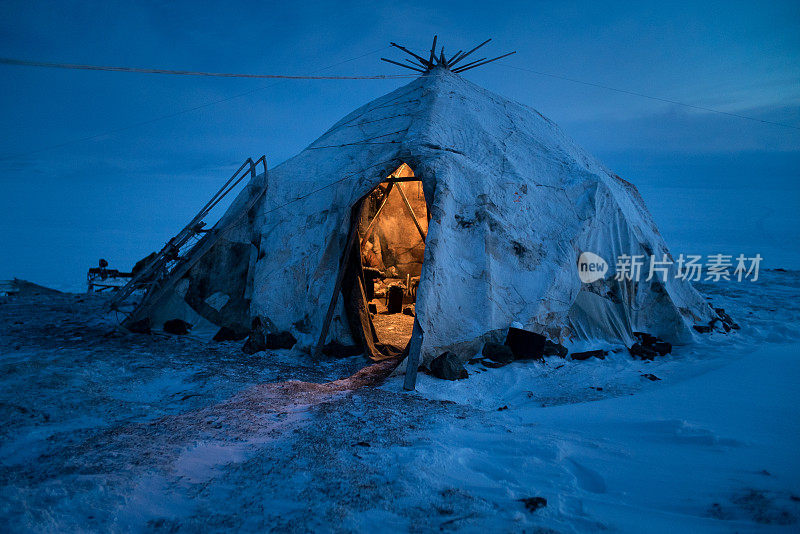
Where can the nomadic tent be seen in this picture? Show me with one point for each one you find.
(511, 201)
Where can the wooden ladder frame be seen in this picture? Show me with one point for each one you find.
(169, 259)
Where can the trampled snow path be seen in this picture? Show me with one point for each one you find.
(136, 433)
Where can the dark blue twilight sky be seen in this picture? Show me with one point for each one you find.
(714, 183)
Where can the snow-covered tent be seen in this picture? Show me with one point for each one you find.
(512, 203)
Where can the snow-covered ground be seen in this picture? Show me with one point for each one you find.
(108, 432)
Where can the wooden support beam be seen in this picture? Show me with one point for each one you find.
(441, 60)
(432, 59)
(415, 63)
(465, 67)
(452, 63)
(400, 179)
(411, 211)
(407, 51)
(401, 64)
(219, 193)
(412, 361)
(462, 67)
(374, 220)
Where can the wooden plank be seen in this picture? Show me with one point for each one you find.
(337, 288)
(412, 363)
(402, 179)
(411, 211)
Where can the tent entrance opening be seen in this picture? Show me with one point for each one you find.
(392, 228)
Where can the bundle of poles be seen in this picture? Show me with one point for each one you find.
(421, 64)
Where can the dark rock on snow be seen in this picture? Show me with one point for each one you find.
(589, 354)
(525, 345)
(534, 503)
(178, 327)
(726, 322)
(651, 377)
(497, 353)
(281, 340)
(725, 327)
(638, 350)
(555, 349)
(649, 346)
(257, 340)
(335, 349)
(448, 366)
(645, 339)
(662, 347)
(142, 326)
(260, 339)
(653, 342)
(229, 334)
(254, 344)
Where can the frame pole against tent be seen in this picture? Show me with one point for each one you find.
(371, 226)
(412, 363)
(411, 211)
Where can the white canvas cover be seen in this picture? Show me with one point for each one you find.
(513, 202)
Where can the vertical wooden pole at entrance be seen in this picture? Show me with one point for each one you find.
(415, 345)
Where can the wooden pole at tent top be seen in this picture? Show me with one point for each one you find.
(424, 65)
